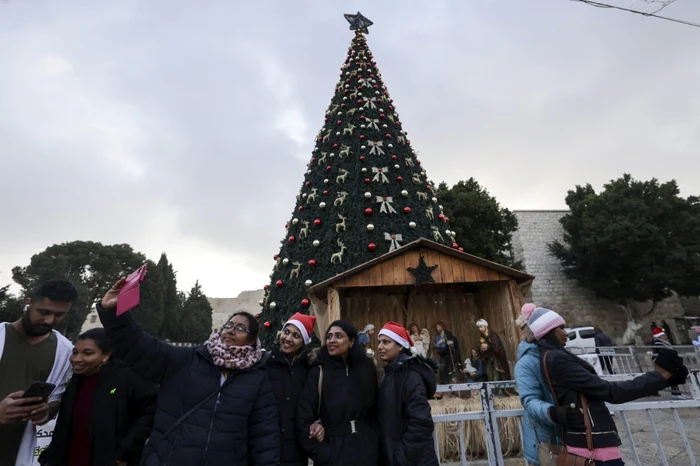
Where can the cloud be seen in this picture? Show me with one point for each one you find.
(186, 127)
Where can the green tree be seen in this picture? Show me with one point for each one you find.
(150, 313)
(92, 267)
(634, 243)
(195, 317)
(172, 306)
(364, 192)
(10, 305)
(483, 227)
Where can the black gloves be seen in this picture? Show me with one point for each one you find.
(567, 417)
(670, 361)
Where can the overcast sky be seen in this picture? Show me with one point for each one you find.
(185, 127)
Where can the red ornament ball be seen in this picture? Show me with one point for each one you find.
(362, 137)
(305, 302)
(308, 183)
(279, 283)
(335, 146)
(292, 239)
(368, 211)
(312, 262)
(394, 157)
(343, 105)
(447, 219)
(325, 192)
(339, 122)
(301, 208)
(267, 324)
(266, 287)
(362, 117)
(406, 210)
(417, 161)
(362, 158)
(317, 222)
(371, 246)
(455, 245)
(399, 178)
(276, 256)
(441, 216)
(329, 168)
(461, 249)
(368, 181)
(381, 115)
(347, 91)
(257, 316)
(388, 136)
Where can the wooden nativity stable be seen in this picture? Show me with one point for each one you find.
(449, 286)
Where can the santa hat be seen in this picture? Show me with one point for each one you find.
(399, 334)
(542, 321)
(658, 332)
(482, 323)
(304, 323)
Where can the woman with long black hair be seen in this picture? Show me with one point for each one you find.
(341, 393)
(288, 368)
(405, 422)
(106, 411)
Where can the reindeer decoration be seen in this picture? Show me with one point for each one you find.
(342, 177)
(429, 213)
(340, 199)
(327, 136)
(422, 196)
(344, 151)
(341, 225)
(416, 178)
(338, 256)
(436, 234)
(401, 139)
(348, 130)
(322, 159)
(304, 232)
(295, 271)
(409, 162)
(312, 197)
(351, 112)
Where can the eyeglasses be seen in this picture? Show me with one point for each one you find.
(240, 328)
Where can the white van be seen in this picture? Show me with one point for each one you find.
(581, 340)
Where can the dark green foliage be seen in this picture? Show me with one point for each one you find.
(10, 305)
(171, 302)
(635, 241)
(344, 148)
(195, 317)
(92, 267)
(150, 314)
(482, 226)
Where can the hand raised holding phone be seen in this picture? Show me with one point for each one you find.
(125, 294)
(109, 301)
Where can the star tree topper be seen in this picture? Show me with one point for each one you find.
(423, 273)
(358, 23)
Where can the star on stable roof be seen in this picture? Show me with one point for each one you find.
(423, 273)
(359, 23)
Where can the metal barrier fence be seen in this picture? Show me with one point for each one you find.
(649, 430)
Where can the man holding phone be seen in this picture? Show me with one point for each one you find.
(33, 354)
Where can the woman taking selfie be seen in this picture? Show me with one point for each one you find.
(341, 392)
(215, 401)
(405, 421)
(106, 411)
(288, 368)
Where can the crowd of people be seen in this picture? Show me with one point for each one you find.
(125, 398)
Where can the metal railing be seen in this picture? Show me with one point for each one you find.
(638, 423)
(634, 359)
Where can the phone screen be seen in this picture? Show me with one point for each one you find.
(39, 390)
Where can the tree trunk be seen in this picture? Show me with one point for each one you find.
(634, 316)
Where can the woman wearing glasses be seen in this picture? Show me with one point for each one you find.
(215, 403)
(341, 394)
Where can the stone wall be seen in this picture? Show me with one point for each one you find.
(247, 301)
(552, 289)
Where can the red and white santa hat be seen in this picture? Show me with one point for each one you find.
(399, 334)
(658, 332)
(304, 323)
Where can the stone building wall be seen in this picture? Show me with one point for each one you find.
(551, 288)
(247, 301)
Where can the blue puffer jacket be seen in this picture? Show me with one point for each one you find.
(536, 399)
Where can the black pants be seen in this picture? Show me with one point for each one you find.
(606, 363)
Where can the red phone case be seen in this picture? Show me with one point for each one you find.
(130, 294)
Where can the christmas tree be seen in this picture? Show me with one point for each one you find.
(364, 192)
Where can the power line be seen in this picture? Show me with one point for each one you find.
(653, 15)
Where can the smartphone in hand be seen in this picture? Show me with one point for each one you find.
(39, 390)
(130, 294)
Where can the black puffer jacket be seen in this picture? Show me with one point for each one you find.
(288, 379)
(121, 418)
(405, 421)
(572, 376)
(239, 427)
(348, 412)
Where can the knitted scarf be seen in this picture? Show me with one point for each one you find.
(232, 357)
